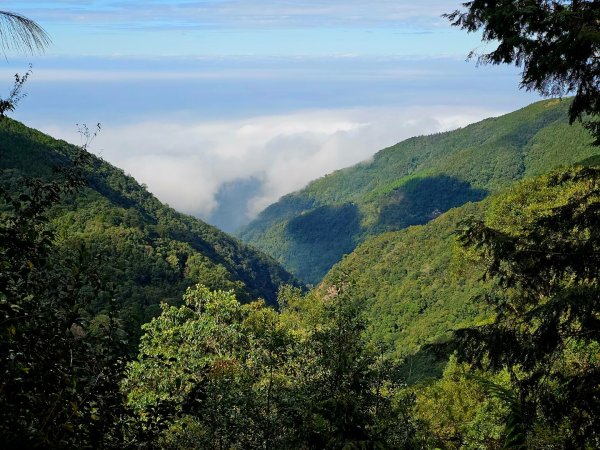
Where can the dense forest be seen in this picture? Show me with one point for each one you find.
(146, 251)
(410, 341)
(413, 182)
(464, 315)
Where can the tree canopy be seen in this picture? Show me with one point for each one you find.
(541, 244)
(555, 41)
(217, 374)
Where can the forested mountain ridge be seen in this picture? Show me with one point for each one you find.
(505, 288)
(418, 284)
(338, 353)
(324, 370)
(147, 251)
(413, 182)
(415, 286)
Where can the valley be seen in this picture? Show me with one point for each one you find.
(402, 281)
(442, 294)
(412, 183)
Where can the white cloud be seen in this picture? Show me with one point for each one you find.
(185, 164)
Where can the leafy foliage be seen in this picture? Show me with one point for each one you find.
(149, 252)
(521, 284)
(457, 411)
(556, 42)
(217, 374)
(59, 366)
(323, 372)
(416, 285)
(541, 243)
(85, 254)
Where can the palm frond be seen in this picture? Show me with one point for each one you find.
(19, 33)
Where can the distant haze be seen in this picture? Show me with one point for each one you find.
(221, 107)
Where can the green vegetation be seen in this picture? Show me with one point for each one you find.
(86, 256)
(479, 329)
(555, 42)
(525, 370)
(419, 284)
(211, 374)
(542, 244)
(458, 410)
(145, 251)
(416, 286)
(359, 362)
(215, 374)
(60, 364)
(514, 293)
(414, 182)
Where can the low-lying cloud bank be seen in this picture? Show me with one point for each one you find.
(222, 138)
(188, 165)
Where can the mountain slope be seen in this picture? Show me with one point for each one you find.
(418, 284)
(413, 182)
(147, 252)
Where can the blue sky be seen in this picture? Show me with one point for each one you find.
(196, 96)
(244, 27)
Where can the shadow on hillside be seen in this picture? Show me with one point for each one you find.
(423, 199)
(319, 238)
(592, 161)
(427, 364)
(103, 187)
(28, 157)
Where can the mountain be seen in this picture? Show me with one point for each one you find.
(417, 284)
(412, 183)
(145, 251)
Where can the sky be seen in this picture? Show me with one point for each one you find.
(222, 106)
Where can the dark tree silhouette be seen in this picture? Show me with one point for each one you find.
(547, 309)
(557, 42)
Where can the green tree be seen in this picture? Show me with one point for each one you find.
(457, 411)
(58, 384)
(217, 374)
(353, 394)
(541, 243)
(210, 374)
(556, 41)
